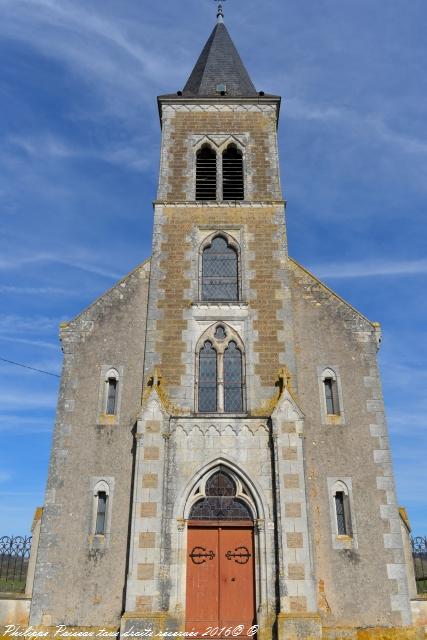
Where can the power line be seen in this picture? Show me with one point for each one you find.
(25, 366)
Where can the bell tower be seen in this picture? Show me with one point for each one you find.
(219, 191)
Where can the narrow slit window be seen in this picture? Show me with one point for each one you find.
(112, 387)
(206, 174)
(101, 511)
(339, 506)
(331, 396)
(232, 174)
(220, 271)
(208, 378)
(233, 379)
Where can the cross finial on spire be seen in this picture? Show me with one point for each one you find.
(220, 13)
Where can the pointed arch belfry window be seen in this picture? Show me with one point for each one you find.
(206, 174)
(220, 271)
(232, 174)
(220, 379)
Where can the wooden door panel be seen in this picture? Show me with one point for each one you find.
(236, 578)
(202, 599)
(220, 578)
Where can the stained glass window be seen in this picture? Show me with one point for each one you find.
(208, 378)
(233, 382)
(220, 333)
(220, 502)
(219, 271)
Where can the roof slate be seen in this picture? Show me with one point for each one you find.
(219, 63)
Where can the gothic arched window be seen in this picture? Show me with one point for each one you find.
(220, 277)
(206, 174)
(233, 390)
(232, 174)
(220, 501)
(221, 384)
(208, 378)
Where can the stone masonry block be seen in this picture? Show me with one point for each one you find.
(289, 453)
(147, 540)
(150, 481)
(145, 571)
(291, 480)
(151, 453)
(293, 510)
(144, 603)
(294, 540)
(152, 426)
(298, 603)
(148, 509)
(296, 572)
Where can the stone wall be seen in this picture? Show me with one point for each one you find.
(362, 580)
(79, 577)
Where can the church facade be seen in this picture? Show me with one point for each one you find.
(220, 459)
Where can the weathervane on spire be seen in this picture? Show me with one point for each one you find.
(220, 13)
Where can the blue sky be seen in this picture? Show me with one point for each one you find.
(79, 154)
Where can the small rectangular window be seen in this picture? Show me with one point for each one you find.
(341, 516)
(101, 513)
(331, 397)
(111, 396)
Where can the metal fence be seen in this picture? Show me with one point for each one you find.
(419, 554)
(14, 557)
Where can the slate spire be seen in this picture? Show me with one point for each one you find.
(219, 64)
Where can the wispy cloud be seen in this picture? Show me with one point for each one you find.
(38, 291)
(13, 399)
(132, 155)
(23, 425)
(11, 323)
(368, 269)
(107, 51)
(22, 261)
(34, 343)
(362, 124)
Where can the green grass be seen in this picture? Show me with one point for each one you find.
(12, 586)
(422, 586)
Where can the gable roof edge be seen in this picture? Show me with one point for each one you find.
(66, 323)
(374, 325)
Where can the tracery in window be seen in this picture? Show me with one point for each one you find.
(220, 501)
(232, 174)
(220, 277)
(220, 384)
(206, 174)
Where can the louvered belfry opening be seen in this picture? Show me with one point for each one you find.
(232, 174)
(206, 174)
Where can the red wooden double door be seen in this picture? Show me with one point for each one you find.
(220, 579)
